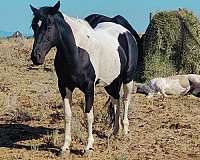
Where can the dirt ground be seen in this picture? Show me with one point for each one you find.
(31, 117)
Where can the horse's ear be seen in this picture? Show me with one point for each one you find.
(55, 8)
(33, 9)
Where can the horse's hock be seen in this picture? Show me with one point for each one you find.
(171, 44)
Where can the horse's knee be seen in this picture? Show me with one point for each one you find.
(90, 116)
(128, 87)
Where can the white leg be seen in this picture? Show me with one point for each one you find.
(67, 120)
(117, 122)
(126, 102)
(162, 92)
(150, 95)
(90, 120)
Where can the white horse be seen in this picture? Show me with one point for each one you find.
(172, 85)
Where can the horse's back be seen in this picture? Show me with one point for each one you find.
(110, 28)
(95, 19)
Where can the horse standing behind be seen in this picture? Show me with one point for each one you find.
(95, 19)
(84, 55)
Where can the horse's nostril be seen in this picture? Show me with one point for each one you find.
(38, 55)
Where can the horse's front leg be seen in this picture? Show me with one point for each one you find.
(89, 99)
(67, 98)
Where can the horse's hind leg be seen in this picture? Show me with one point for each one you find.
(126, 102)
(89, 99)
(116, 106)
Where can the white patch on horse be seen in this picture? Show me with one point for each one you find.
(108, 32)
(39, 23)
(90, 120)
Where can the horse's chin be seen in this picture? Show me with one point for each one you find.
(38, 62)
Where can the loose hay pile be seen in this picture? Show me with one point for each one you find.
(171, 44)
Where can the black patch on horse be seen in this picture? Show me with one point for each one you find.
(128, 59)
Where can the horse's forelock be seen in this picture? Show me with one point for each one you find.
(42, 14)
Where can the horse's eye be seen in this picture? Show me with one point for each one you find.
(49, 27)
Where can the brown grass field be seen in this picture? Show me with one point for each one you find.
(31, 117)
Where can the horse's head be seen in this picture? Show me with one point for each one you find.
(45, 36)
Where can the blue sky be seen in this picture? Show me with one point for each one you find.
(16, 14)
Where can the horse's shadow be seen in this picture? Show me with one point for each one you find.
(10, 134)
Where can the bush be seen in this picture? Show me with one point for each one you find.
(171, 44)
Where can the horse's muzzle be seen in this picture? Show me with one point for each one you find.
(37, 59)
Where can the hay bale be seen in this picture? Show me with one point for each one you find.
(171, 44)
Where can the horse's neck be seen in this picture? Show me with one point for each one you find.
(66, 45)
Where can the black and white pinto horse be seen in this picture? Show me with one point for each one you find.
(95, 19)
(84, 55)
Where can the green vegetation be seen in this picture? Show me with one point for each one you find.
(171, 44)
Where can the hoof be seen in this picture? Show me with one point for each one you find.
(149, 96)
(63, 153)
(126, 133)
(115, 131)
(88, 152)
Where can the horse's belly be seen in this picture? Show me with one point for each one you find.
(107, 61)
(109, 68)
